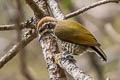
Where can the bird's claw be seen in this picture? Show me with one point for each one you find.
(63, 57)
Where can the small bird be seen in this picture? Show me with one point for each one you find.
(75, 37)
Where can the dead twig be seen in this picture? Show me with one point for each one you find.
(84, 9)
(37, 7)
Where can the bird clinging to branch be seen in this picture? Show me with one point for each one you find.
(75, 37)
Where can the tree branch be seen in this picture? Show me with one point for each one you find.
(16, 48)
(28, 36)
(37, 7)
(69, 64)
(49, 48)
(55, 9)
(13, 26)
(8, 27)
(79, 11)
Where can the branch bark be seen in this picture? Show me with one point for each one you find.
(49, 48)
(55, 9)
(8, 27)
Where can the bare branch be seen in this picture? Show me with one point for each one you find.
(49, 48)
(55, 9)
(16, 48)
(79, 11)
(13, 27)
(22, 25)
(7, 27)
(37, 7)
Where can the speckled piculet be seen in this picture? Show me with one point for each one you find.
(75, 37)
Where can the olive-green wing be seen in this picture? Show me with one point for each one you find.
(74, 32)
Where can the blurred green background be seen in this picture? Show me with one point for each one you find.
(102, 21)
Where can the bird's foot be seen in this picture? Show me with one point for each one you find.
(57, 58)
(64, 57)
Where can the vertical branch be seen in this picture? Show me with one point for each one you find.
(50, 48)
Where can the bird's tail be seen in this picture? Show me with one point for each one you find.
(100, 52)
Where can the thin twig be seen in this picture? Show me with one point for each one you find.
(79, 11)
(22, 25)
(8, 27)
(13, 27)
